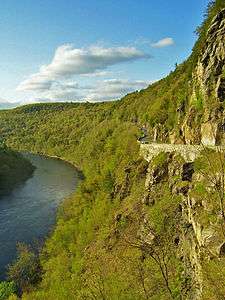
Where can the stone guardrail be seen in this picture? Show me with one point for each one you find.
(188, 152)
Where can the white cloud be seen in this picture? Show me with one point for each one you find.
(4, 104)
(36, 82)
(163, 43)
(62, 91)
(113, 89)
(69, 61)
(105, 90)
(97, 74)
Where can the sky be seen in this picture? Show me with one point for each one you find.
(92, 50)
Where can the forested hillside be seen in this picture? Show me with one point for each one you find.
(129, 231)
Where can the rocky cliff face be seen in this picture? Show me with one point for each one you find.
(198, 236)
(205, 120)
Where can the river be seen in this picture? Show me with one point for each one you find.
(28, 213)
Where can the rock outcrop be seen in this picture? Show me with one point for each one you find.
(205, 121)
(199, 236)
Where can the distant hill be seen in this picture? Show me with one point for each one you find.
(8, 105)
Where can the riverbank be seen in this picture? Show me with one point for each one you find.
(63, 159)
(28, 213)
(14, 170)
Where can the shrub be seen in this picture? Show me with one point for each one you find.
(7, 289)
(25, 271)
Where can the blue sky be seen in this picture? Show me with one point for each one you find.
(54, 50)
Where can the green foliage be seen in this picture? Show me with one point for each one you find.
(213, 8)
(160, 159)
(14, 169)
(26, 270)
(214, 279)
(199, 102)
(210, 191)
(7, 289)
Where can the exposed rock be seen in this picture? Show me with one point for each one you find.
(118, 217)
(222, 250)
(213, 59)
(209, 133)
(147, 199)
(208, 81)
(201, 237)
(196, 239)
(220, 89)
(188, 170)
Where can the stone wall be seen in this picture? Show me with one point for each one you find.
(188, 152)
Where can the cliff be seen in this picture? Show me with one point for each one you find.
(193, 223)
(205, 116)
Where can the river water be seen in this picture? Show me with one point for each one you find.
(28, 213)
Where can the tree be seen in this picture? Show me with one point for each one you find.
(26, 270)
(211, 165)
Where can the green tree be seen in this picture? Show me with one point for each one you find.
(26, 270)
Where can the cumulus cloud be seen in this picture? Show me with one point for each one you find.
(113, 89)
(105, 90)
(163, 43)
(69, 61)
(61, 91)
(36, 82)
